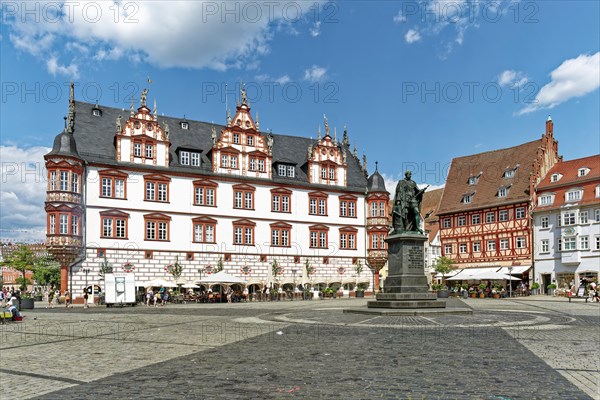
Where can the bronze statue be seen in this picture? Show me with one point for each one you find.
(406, 213)
(143, 97)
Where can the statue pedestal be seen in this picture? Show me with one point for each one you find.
(406, 284)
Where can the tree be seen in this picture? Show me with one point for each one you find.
(105, 268)
(22, 260)
(443, 266)
(47, 271)
(276, 269)
(219, 266)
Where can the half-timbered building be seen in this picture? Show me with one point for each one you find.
(139, 191)
(484, 215)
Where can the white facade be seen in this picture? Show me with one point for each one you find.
(570, 250)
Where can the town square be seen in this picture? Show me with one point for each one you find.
(290, 199)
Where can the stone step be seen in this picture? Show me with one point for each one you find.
(406, 304)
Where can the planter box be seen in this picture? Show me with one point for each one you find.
(442, 294)
(39, 298)
(360, 294)
(27, 304)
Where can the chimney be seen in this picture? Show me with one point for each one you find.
(549, 126)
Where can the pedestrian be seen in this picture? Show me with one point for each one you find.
(161, 295)
(229, 294)
(149, 296)
(50, 299)
(12, 308)
(85, 299)
(67, 299)
(2, 298)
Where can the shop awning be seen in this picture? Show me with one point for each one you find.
(451, 273)
(516, 270)
(483, 274)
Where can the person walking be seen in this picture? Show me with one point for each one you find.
(85, 299)
(50, 298)
(67, 299)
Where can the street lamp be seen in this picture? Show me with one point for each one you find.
(510, 281)
(200, 273)
(294, 291)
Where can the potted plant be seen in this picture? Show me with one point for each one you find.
(496, 291)
(442, 290)
(360, 290)
(27, 302)
(443, 266)
(551, 288)
(482, 287)
(535, 287)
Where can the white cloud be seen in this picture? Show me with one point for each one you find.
(391, 181)
(190, 34)
(54, 68)
(513, 79)
(22, 193)
(412, 36)
(316, 29)
(398, 18)
(282, 80)
(575, 77)
(315, 73)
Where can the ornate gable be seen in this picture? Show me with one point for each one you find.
(141, 139)
(327, 160)
(241, 149)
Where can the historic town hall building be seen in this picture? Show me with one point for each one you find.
(142, 190)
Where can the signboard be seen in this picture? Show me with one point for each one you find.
(581, 291)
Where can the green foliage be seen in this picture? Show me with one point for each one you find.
(551, 286)
(358, 268)
(21, 260)
(482, 286)
(105, 268)
(23, 282)
(361, 287)
(176, 269)
(276, 269)
(47, 275)
(465, 286)
(219, 266)
(443, 266)
(535, 285)
(308, 268)
(328, 291)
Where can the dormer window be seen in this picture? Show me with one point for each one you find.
(582, 171)
(96, 112)
(236, 138)
(185, 125)
(474, 179)
(555, 177)
(184, 157)
(467, 198)
(510, 173)
(546, 200)
(250, 140)
(286, 170)
(574, 195)
(503, 191)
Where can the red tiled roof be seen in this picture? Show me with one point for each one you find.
(570, 180)
(490, 167)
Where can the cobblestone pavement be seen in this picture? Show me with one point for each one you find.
(508, 349)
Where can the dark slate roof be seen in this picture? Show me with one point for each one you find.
(376, 183)
(95, 137)
(64, 145)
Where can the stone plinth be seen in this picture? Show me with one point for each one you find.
(406, 284)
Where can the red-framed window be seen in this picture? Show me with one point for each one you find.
(243, 232)
(281, 200)
(156, 227)
(328, 172)
(257, 162)
(318, 236)
(144, 149)
(243, 197)
(64, 177)
(281, 234)
(205, 230)
(317, 203)
(376, 240)
(113, 184)
(156, 188)
(348, 206)
(114, 224)
(229, 158)
(205, 193)
(348, 238)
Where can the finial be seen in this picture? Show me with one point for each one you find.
(549, 117)
(257, 123)
(335, 135)
(71, 124)
(65, 118)
(243, 93)
(326, 123)
(345, 140)
(213, 135)
(71, 92)
(355, 152)
(132, 105)
(228, 117)
(376, 166)
(155, 112)
(319, 133)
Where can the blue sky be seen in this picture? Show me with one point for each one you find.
(416, 83)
